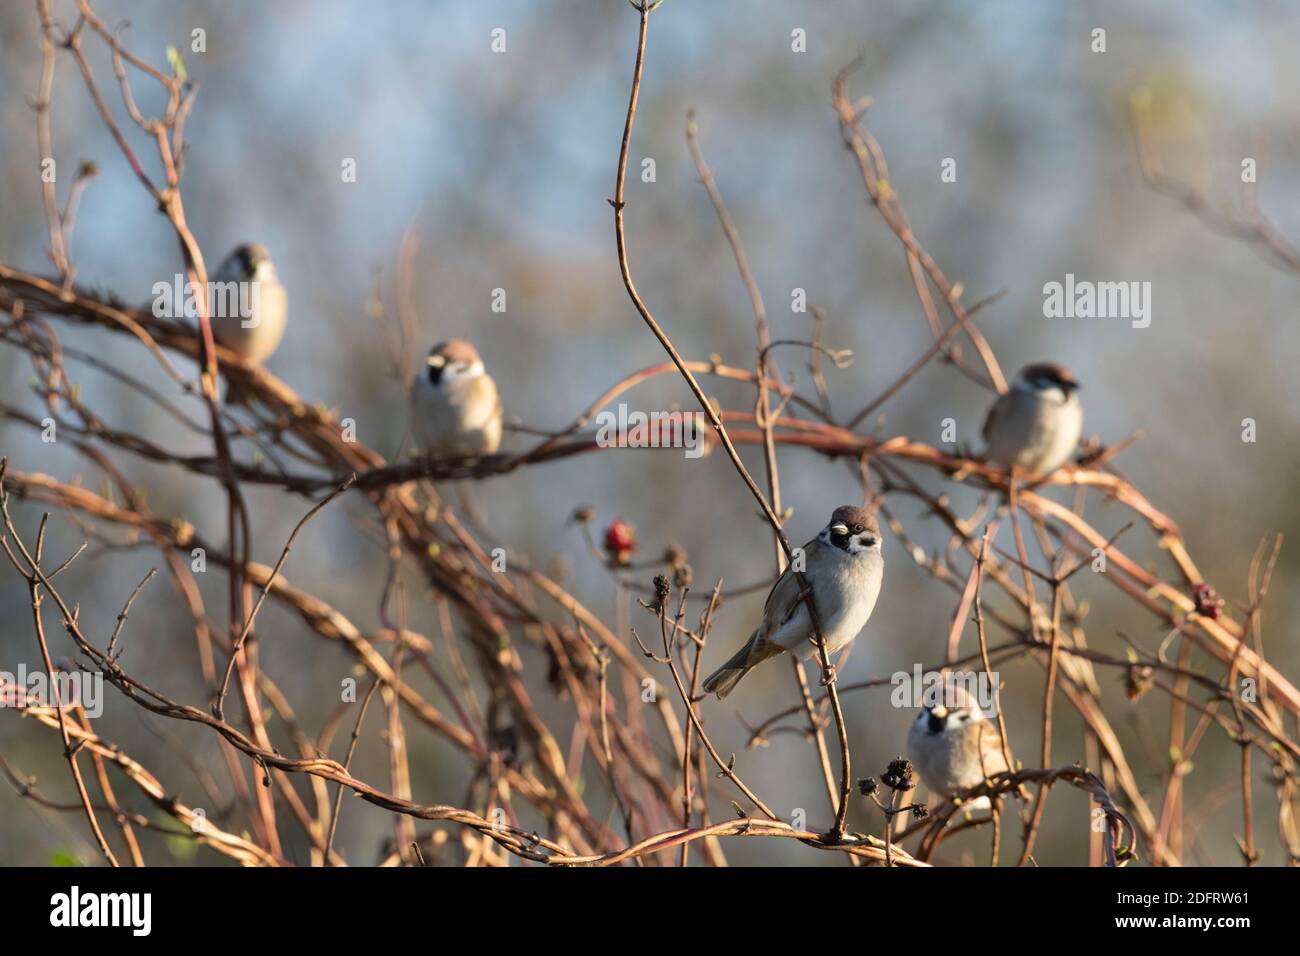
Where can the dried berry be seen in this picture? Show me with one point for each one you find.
(620, 541)
(898, 775)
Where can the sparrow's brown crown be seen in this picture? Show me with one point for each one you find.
(855, 518)
(456, 350)
(954, 697)
(1051, 373)
(251, 253)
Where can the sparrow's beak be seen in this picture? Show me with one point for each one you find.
(437, 361)
(838, 528)
(941, 712)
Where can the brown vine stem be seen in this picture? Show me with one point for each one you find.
(765, 371)
(644, 8)
(171, 205)
(984, 645)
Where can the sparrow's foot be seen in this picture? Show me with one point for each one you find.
(828, 675)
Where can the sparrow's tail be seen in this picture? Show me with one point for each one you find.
(725, 678)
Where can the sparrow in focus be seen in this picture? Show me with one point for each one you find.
(455, 408)
(1036, 425)
(249, 304)
(844, 568)
(955, 747)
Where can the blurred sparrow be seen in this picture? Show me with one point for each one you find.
(955, 747)
(844, 567)
(454, 403)
(249, 306)
(1035, 426)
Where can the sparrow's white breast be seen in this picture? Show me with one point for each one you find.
(957, 758)
(845, 589)
(249, 316)
(459, 418)
(1034, 432)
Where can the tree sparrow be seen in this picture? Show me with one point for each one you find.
(844, 568)
(455, 406)
(1036, 425)
(955, 747)
(249, 306)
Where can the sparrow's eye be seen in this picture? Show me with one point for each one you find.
(857, 529)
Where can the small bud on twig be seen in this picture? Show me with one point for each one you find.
(662, 590)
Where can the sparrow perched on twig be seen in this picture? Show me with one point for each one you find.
(1036, 425)
(955, 747)
(455, 407)
(249, 306)
(843, 567)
